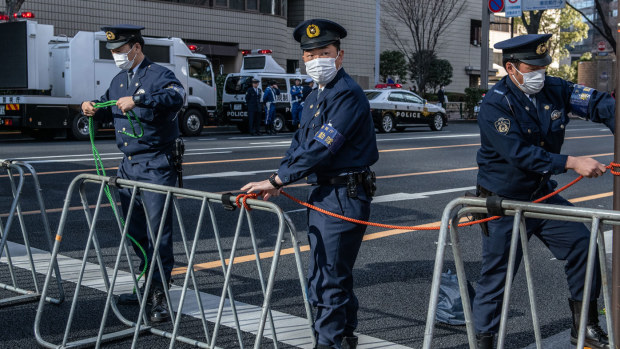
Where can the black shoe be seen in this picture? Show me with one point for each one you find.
(485, 340)
(349, 342)
(159, 310)
(596, 338)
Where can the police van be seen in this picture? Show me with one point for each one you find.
(258, 64)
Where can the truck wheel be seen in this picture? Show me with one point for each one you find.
(191, 123)
(79, 128)
(278, 123)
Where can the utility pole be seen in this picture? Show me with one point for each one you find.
(377, 40)
(615, 254)
(484, 47)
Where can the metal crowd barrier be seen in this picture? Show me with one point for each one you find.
(18, 168)
(520, 210)
(206, 212)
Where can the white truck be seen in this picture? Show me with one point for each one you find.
(45, 78)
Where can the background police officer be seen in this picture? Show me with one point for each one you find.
(155, 96)
(522, 124)
(269, 98)
(296, 96)
(335, 146)
(252, 99)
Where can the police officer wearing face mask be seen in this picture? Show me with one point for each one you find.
(155, 95)
(522, 124)
(334, 148)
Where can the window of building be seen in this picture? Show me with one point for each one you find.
(251, 5)
(265, 6)
(221, 3)
(236, 4)
(294, 13)
(475, 32)
(292, 65)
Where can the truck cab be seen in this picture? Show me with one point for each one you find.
(258, 64)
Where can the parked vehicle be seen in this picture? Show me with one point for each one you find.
(258, 64)
(395, 109)
(45, 79)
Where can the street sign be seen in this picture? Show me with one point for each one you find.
(602, 46)
(535, 5)
(496, 5)
(513, 8)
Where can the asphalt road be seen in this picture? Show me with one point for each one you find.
(419, 172)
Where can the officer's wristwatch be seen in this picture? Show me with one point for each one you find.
(137, 99)
(272, 180)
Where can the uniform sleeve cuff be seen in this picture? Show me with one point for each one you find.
(558, 163)
(284, 175)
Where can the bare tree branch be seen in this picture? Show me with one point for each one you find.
(13, 6)
(606, 30)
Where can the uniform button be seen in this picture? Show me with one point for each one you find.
(562, 127)
(529, 130)
(129, 157)
(125, 143)
(542, 144)
(527, 108)
(123, 129)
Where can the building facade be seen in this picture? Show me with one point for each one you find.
(221, 29)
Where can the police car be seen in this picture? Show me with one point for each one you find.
(258, 64)
(395, 109)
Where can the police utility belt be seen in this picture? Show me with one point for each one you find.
(367, 179)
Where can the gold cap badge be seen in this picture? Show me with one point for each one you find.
(542, 48)
(110, 35)
(312, 31)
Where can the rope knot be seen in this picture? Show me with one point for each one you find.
(242, 198)
(614, 168)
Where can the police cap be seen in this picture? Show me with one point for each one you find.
(254, 81)
(308, 80)
(315, 33)
(119, 35)
(530, 49)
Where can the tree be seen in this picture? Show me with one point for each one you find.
(393, 63)
(567, 29)
(425, 21)
(440, 74)
(13, 6)
(602, 8)
(567, 72)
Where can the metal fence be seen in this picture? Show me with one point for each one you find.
(520, 210)
(205, 213)
(26, 260)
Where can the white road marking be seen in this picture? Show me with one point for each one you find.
(227, 174)
(120, 156)
(291, 330)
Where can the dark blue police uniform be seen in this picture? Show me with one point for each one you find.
(147, 158)
(252, 100)
(269, 98)
(521, 140)
(296, 98)
(336, 140)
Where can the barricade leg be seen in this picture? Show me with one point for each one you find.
(530, 284)
(605, 286)
(462, 279)
(587, 287)
(17, 168)
(509, 277)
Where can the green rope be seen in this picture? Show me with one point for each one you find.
(101, 170)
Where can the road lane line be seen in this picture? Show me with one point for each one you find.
(291, 330)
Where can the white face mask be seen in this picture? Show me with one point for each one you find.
(322, 70)
(122, 61)
(533, 82)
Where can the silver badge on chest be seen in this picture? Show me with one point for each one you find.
(556, 114)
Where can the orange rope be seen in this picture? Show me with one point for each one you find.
(612, 166)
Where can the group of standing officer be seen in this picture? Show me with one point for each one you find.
(522, 125)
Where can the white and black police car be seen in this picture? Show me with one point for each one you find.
(395, 109)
